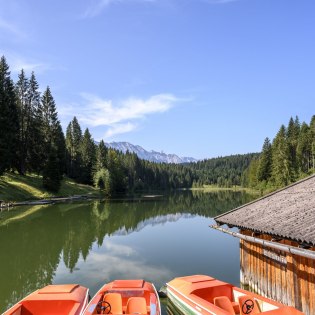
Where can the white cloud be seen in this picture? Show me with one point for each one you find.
(99, 5)
(119, 117)
(111, 261)
(119, 129)
(98, 112)
(17, 65)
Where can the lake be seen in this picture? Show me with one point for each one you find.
(152, 237)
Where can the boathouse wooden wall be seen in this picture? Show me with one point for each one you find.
(284, 277)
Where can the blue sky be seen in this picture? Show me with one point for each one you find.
(199, 78)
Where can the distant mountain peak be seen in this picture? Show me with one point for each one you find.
(153, 156)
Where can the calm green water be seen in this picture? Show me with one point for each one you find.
(95, 242)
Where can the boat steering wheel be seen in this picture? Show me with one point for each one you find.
(248, 306)
(103, 307)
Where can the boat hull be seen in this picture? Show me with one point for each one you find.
(202, 295)
(184, 306)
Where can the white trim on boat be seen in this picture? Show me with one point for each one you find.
(86, 302)
(158, 298)
(189, 299)
(182, 304)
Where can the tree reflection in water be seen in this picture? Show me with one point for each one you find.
(34, 240)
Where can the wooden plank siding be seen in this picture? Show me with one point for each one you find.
(284, 277)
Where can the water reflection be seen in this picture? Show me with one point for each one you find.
(94, 242)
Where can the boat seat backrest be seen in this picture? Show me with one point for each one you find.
(248, 305)
(115, 301)
(49, 306)
(136, 305)
(225, 303)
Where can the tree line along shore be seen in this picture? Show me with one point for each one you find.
(33, 145)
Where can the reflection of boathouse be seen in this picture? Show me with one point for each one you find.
(277, 244)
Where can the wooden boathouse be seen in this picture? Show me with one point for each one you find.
(277, 244)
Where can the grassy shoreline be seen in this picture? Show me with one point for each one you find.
(210, 188)
(16, 188)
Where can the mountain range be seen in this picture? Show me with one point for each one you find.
(153, 156)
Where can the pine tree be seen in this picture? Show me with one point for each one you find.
(49, 118)
(60, 142)
(293, 132)
(265, 162)
(281, 167)
(115, 169)
(36, 150)
(25, 114)
(9, 124)
(303, 151)
(88, 157)
(52, 142)
(252, 173)
(73, 142)
(101, 156)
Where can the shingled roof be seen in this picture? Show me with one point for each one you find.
(288, 213)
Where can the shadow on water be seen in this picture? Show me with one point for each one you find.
(50, 244)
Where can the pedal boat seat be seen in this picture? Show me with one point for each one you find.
(115, 301)
(224, 303)
(136, 305)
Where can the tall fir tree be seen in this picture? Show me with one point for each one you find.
(49, 117)
(52, 135)
(265, 162)
(25, 116)
(293, 132)
(60, 142)
(9, 124)
(88, 157)
(115, 169)
(101, 156)
(73, 142)
(303, 150)
(281, 163)
(36, 150)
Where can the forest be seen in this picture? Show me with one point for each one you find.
(32, 141)
(290, 156)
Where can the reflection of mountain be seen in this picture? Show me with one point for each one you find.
(162, 219)
(33, 242)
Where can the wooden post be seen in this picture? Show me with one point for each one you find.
(311, 285)
(284, 282)
(296, 282)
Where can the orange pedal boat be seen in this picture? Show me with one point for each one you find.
(61, 299)
(125, 297)
(204, 295)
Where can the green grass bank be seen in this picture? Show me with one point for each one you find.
(14, 187)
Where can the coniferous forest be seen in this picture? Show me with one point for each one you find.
(32, 141)
(286, 159)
